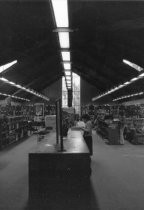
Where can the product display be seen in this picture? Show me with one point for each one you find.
(117, 123)
(12, 129)
(17, 121)
(134, 130)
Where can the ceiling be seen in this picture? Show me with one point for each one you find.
(103, 34)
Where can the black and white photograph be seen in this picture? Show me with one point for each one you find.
(71, 105)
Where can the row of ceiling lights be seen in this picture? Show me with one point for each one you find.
(124, 84)
(24, 89)
(138, 68)
(128, 96)
(6, 66)
(16, 97)
(60, 9)
(133, 65)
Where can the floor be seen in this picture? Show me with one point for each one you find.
(117, 181)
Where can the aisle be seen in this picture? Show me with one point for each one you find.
(117, 181)
(14, 175)
(118, 175)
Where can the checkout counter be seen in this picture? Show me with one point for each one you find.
(47, 164)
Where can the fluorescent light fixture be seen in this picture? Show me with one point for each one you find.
(65, 55)
(3, 79)
(6, 66)
(126, 83)
(116, 88)
(67, 66)
(110, 91)
(60, 8)
(16, 97)
(133, 65)
(134, 79)
(11, 83)
(141, 75)
(19, 86)
(128, 96)
(64, 39)
(120, 86)
(68, 77)
(68, 73)
(68, 83)
(23, 88)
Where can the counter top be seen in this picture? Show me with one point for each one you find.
(73, 143)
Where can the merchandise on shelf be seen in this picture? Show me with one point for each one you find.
(134, 130)
(49, 110)
(132, 127)
(115, 110)
(16, 121)
(12, 129)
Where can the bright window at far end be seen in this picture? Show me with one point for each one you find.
(76, 93)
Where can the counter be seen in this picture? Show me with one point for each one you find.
(47, 163)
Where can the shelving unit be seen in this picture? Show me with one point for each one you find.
(135, 130)
(13, 129)
(14, 121)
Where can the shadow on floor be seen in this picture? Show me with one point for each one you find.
(63, 194)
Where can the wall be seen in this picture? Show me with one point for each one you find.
(53, 91)
(88, 91)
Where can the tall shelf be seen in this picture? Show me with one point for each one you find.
(12, 129)
(16, 121)
(14, 124)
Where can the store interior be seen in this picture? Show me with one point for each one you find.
(64, 63)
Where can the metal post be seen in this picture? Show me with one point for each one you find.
(57, 130)
(61, 131)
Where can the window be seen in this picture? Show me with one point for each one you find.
(76, 93)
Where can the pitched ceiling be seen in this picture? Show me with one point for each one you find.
(104, 33)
